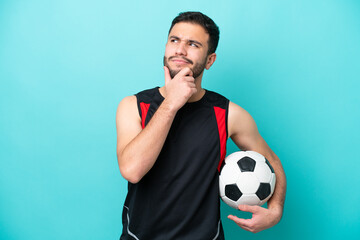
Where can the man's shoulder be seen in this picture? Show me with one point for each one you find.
(215, 98)
(149, 91)
(149, 95)
(126, 102)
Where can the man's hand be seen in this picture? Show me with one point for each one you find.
(179, 89)
(262, 218)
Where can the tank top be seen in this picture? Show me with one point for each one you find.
(179, 197)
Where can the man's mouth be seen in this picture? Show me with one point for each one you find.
(181, 60)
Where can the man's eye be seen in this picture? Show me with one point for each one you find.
(193, 45)
(174, 40)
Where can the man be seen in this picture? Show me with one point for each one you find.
(171, 143)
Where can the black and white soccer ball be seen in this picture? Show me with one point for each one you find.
(246, 178)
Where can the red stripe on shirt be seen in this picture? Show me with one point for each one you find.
(144, 110)
(221, 123)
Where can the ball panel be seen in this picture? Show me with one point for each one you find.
(246, 164)
(248, 182)
(234, 157)
(221, 188)
(273, 182)
(249, 199)
(229, 202)
(263, 191)
(232, 192)
(272, 188)
(229, 173)
(263, 172)
(262, 202)
(255, 155)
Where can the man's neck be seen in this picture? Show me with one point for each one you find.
(197, 96)
(200, 91)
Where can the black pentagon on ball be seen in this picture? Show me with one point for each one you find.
(267, 162)
(246, 164)
(263, 191)
(233, 192)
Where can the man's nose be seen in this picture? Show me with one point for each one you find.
(181, 49)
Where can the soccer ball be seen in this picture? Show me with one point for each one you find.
(246, 178)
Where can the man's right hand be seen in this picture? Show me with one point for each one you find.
(179, 89)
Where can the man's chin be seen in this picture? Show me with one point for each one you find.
(174, 72)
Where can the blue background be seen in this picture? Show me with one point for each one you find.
(65, 65)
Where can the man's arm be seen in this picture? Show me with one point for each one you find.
(243, 131)
(137, 148)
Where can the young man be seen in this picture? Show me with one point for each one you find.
(171, 143)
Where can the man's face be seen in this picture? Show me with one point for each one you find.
(187, 46)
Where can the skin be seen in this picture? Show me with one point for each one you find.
(138, 149)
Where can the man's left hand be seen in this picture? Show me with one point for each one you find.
(262, 218)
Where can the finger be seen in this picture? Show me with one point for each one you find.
(240, 221)
(186, 72)
(192, 85)
(189, 79)
(167, 74)
(190, 73)
(243, 223)
(248, 208)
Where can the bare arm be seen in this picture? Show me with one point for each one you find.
(243, 131)
(137, 148)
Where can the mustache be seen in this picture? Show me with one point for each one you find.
(184, 58)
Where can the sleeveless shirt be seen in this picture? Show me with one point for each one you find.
(179, 197)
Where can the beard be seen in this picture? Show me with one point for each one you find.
(197, 69)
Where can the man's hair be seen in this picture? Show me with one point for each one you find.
(207, 23)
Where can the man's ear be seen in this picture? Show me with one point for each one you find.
(210, 60)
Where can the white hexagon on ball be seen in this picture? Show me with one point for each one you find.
(248, 182)
(248, 199)
(263, 172)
